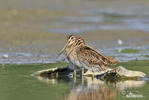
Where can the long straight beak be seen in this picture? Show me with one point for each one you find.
(62, 51)
(69, 53)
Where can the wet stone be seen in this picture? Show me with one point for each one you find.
(117, 74)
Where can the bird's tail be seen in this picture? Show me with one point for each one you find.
(112, 61)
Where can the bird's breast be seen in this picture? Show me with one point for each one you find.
(74, 59)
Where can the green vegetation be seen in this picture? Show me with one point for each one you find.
(130, 51)
(113, 16)
(146, 56)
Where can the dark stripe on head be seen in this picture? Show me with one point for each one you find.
(70, 36)
(80, 41)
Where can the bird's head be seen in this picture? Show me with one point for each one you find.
(79, 42)
(71, 39)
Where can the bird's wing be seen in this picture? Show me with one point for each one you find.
(90, 56)
(111, 60)
(107, 60)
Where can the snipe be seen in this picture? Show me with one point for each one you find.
(82, 56)
(89, 58)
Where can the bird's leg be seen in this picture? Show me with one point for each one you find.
(74, 71)
(93, 75)
(56, 74)
(74, 74)
(82, 73)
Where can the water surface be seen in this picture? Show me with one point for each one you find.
(17, 83)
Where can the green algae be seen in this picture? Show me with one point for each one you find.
(130, 51)
(146, 56)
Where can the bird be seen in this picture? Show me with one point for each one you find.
(68, 46)
(82, 56)
(90, 59)
(70, 57)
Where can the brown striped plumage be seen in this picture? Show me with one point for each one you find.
(82, 56)
(89, 58)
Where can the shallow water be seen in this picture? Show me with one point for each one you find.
(18, 83)
(34, 31)
(115, 52)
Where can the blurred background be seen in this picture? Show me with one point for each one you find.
(34, 31)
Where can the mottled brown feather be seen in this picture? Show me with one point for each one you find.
(89, 56)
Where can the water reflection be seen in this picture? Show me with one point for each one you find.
(123, 85)
(47, 80)
(96, 92)
(89, 88)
